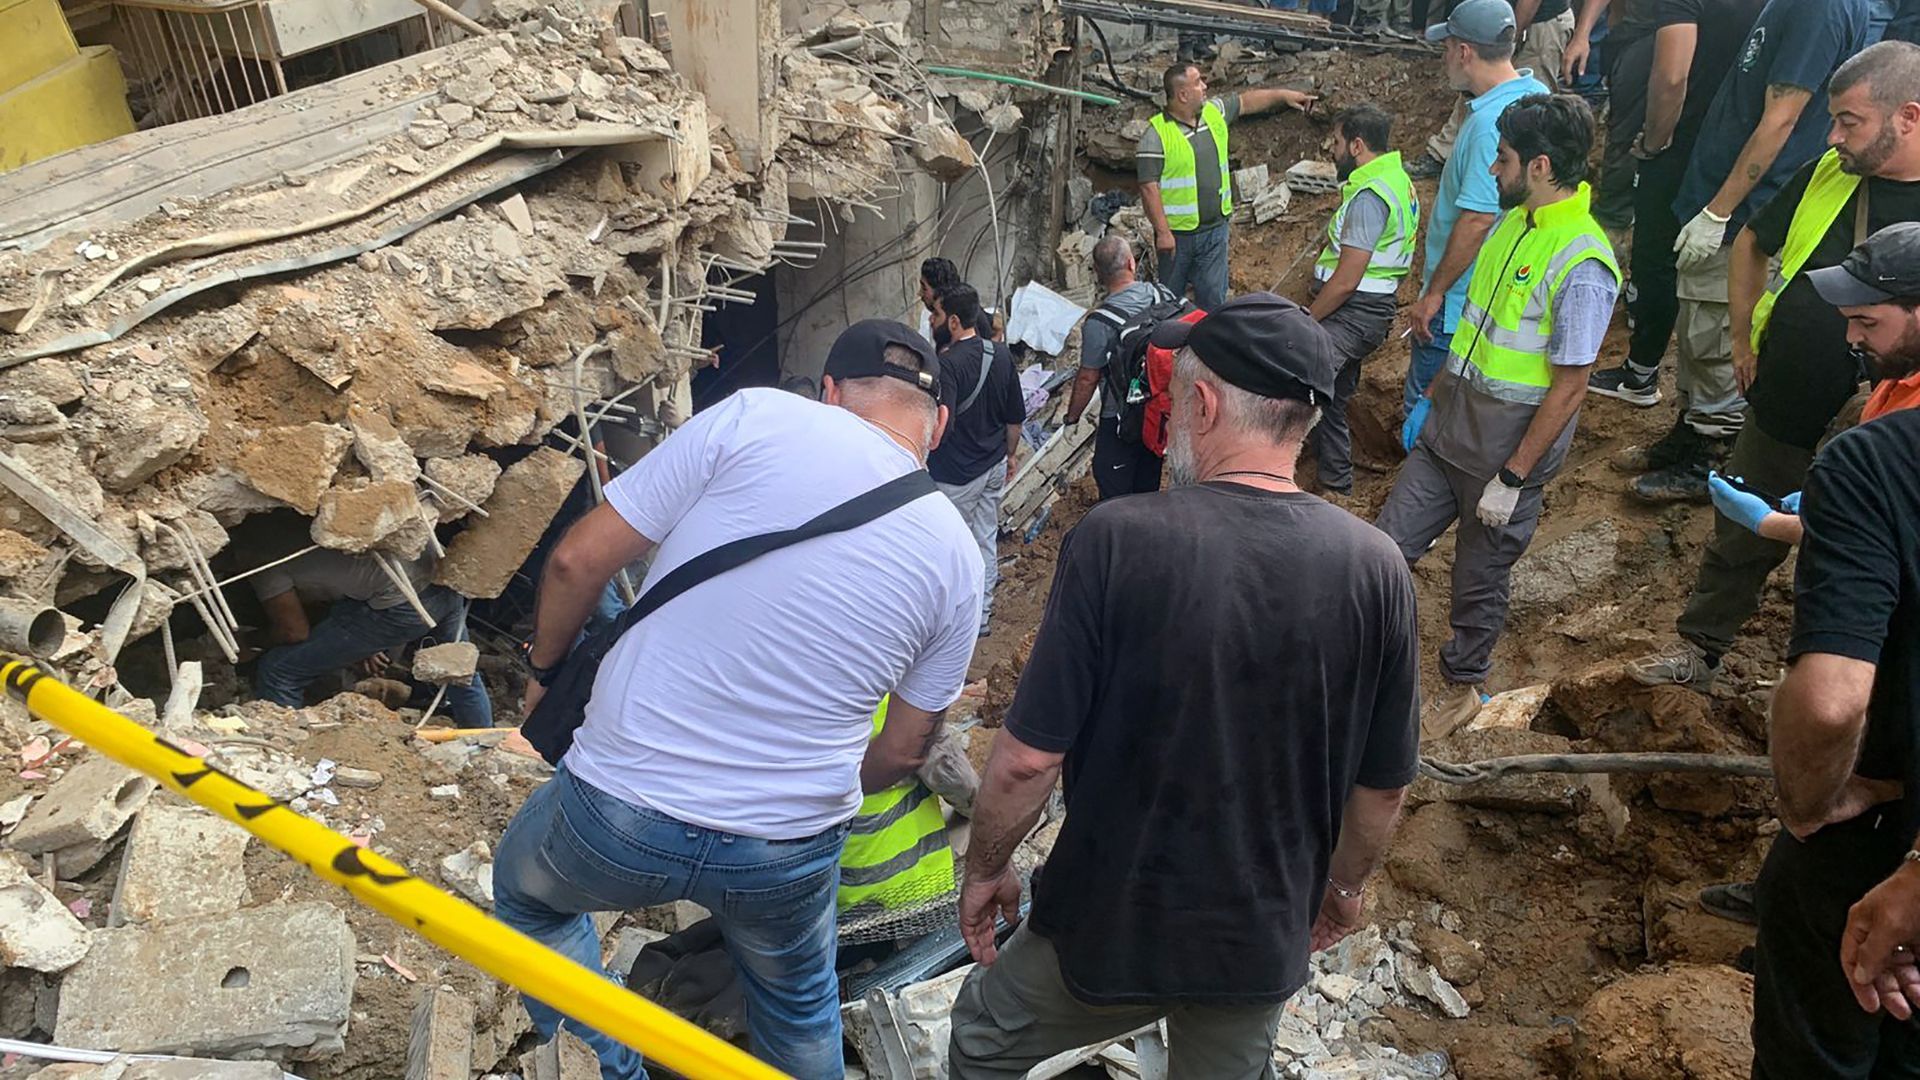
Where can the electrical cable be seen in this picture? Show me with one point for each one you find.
(1106, 53)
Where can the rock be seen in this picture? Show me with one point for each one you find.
(469, 872)
(163, 550)
(441, 1046)
(1423, 981)
(87, 805)
(347, 776)
(52, 378)
(444, 665)
(483, 559)
(1576, 566)
(564, 1058)
(943, 151)
(19, 556)
(180, 862)
(592, 84)
(295, 464)
(444, 792)
(36, 929)
(426, 134)
(13, 810)
(1512, 710)
(282, 976)
(138, 443)
(1293, 1039)
(470, 90)
(1685, 1023)
(1002, 118)
(1336, 987)
(641, 56)
(472, 477)
(378, 445)
(370, 516)
(1452, 956)
(514, 209)
(454, 113)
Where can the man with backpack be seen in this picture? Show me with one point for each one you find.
(1132, 308)
(725, 746)
(977, 375)
(1368, 253)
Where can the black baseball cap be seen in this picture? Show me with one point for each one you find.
(1261, 343)
(1885, 267)
(860, 352)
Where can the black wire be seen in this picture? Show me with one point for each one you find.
(1106, 53)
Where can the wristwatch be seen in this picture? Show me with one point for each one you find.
(542, 675)
(1510, 479)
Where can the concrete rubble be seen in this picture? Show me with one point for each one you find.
(82, 813)
(36, 929)
(180, 862)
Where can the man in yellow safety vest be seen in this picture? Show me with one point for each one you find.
(1356, 280)
(897, 853)
(1186, 183)
(1790, 346)
(1495, 424)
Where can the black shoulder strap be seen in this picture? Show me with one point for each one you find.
(986, 365)
(855, 512)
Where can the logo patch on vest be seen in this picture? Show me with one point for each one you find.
(1521, 276)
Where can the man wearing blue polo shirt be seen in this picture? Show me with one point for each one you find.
(1477, 48)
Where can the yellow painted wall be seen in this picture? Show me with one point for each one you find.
(37, 40)
(82, 101)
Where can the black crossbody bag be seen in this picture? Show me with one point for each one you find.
(559, 713)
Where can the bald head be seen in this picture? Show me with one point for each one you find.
(1113, 262)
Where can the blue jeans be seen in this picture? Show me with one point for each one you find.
(352, 631)
(1426, 364)
(574, 849)
(1200, 260)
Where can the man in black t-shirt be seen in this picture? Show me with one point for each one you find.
(977, 375)
(1227, 672)
(1844, 721)
(1802, 372)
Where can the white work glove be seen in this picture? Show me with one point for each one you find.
(1699, 239)
(1497, 504)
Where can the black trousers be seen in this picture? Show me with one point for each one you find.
(1805, 1021)
(1656, 278)
(1629, 63)
(1121, 467)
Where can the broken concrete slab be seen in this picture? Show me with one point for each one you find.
(514, 209)
(943, 151)
(347, 776)
(482, 560)
(181, 862)
(441, 1046)
(469, 872)
(87, 805)
(562, 1058)
(269, 980)
(36, 929)
(1422, 980)
(380, 449)
(177, 1069)
(1513, 709)
(296, 463)
(470, 479)
(362, 516)
(444, 665)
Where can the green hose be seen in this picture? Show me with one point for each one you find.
(1015, 80)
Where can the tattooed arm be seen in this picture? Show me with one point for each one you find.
(1018, 780)
(1784, 104)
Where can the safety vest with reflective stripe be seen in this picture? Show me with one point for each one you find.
(1393, 255)
(1500, 347)
(897, 853)
(1827, 193)
(1179, 176)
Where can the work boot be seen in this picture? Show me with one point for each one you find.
(1732, 901)
(1425, 167)
(1629, 383)
(1457, 707)
(1680, 443)
(1680, 664)
(1682, 482)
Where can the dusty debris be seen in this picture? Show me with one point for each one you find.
(1685, 1023)
(88, 806)
(296, 463)
(452, 662)
(469, 872)
(481, 560)
(36, 929)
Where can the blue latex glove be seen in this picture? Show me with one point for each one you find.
(1740, 507)
(1791, 504)
(1416, 419)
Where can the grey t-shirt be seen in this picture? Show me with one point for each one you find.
(335, 575)
(1365, 222)
(1477, 434)
(1149, 155)
(1097, 337)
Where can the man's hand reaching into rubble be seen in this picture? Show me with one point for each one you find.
(1013, 791)
(1875, 948)
(983, 902)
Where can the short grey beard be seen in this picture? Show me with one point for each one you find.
(1181, 469)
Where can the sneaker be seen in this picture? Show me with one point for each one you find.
(1682, 482)
(1456, 709)
(1680, 664)
(1425, 167)
(1732, 901)
(1627, 383)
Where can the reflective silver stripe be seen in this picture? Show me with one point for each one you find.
(859, 876)
(1179, 182)
(1527, 339)
(1377, 285)
(867, 824)
(1498, 389)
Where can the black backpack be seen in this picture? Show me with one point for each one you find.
(1126, 370)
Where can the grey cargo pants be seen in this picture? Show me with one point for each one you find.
(1430, 495)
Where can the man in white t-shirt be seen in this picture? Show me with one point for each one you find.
(725, 746)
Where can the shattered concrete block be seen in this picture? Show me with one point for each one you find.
(163, 550)
(177, 1069)
(380, 449)
(366, 516)
(87, 805)
(563, 1058)
(156, 604)
(1423, 981)
(296, 464)
(138, 443)
(943, 151)
(1513, 709)
(36, 929)
(347, 776)
(482, 560)
(49, 377)
(1002, 118)
(680, 915)
(180, 862)
(441, 1046)
(444, 792)
(641, 56)
(471, 477)
(1250, 183)
(469, 872)
(269, 980)
(443, 665)
(514, 209)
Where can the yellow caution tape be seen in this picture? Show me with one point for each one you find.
(386, 887)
